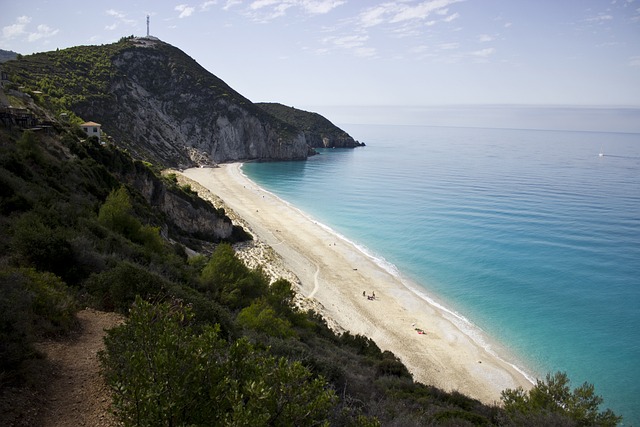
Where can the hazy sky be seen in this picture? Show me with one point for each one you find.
(368, 52)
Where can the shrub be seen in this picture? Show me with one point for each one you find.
(553, 398)
(116, 214)
(117, 288)
(164, 372)
(32, 304)
(262, 318)
(35, 244)
(230, 281)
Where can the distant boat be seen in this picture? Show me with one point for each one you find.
(601, 153)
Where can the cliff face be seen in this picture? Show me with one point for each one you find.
(319, 132)
(191, 216)
(165, 108)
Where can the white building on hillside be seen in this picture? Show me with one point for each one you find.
(92, 129)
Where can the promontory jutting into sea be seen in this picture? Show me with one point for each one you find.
(529, 236)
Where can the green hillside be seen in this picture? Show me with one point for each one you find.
(320, 132)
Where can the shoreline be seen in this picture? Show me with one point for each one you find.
(334, 273)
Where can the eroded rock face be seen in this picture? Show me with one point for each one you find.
(166, 108)
(194, 216)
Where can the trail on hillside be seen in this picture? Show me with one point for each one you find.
(68, 389)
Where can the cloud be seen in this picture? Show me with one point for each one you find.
(17, 29)
(20, 29)
(121, 18)
(451, 17)
(266, 10)
(401, 12)
(115, 14)
(207, 4)
(320, 7)
(43, 31)
(600, 18)
(634, 61)
(230, 3)
(448, 46)
(421, 11)
(354, 43)
(185, 10)
(373, 16)
(484, 53)
(483, 38)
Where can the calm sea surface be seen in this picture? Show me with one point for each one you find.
(529, 236)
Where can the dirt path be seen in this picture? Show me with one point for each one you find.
(69, 390)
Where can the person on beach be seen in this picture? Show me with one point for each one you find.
(364, 293)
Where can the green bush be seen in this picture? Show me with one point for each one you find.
(117, 214)
(262, 318)
(230, 281)
(32, 305)
(165, 372)
(35, 244)
(118, 287)
(553, 399)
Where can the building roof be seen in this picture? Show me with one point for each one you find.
(91, 124)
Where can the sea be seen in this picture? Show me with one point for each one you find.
(530, 237)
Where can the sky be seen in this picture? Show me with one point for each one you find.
(340, 55)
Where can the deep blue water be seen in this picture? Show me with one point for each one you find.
(529, 235)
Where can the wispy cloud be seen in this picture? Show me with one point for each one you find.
(395, 12)
(484, 53)
(17, 29)
(231, 3)
(42, 32)
(600, 18)
(484, 38)
(185, 10)
(452, 17)
(20, 29)
(267, 10)
(634, 61)
(353, 43)
(449, 46)
(422, 10)
(121, 18)
(207, 4)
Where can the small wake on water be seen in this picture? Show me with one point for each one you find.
(620, 157)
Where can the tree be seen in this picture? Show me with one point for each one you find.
(230, 281)
(554, 397)
(262, 318)
(116, 213)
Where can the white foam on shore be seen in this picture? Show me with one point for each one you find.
(464, 325)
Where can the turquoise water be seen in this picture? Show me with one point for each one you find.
(530, 235)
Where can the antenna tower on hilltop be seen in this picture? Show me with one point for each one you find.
(147, 25)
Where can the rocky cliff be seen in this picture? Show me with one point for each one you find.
(158, 103)
(165, 107)
(183, 215)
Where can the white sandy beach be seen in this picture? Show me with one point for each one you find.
(335, 273)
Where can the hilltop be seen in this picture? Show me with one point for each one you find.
(162, 106)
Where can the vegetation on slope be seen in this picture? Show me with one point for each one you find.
(319, 131)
